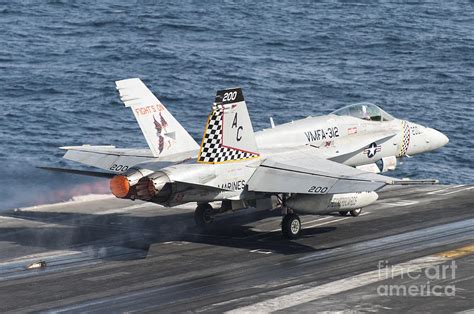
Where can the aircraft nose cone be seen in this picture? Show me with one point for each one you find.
(436, 138)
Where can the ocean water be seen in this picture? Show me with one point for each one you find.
(59, 61)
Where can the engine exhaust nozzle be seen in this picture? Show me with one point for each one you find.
(120, 186)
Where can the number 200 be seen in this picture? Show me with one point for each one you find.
(119, 168)
(318, 189)
(230, 96)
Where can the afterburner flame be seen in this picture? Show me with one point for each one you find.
(119, 186)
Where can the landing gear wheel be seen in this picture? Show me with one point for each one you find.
(356, 212)
(343, 213)
(291, 226)
(203, 216)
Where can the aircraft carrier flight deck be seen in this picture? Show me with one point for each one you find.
(101, 254)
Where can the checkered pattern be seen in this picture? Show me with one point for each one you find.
(212, 150)
(405, 140)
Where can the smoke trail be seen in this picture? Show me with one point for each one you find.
(28, 186)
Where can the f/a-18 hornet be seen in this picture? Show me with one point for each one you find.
(316, 165)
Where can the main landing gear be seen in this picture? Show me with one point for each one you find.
(203, 216)
(291, 226)
(291, 223)
(354, 212)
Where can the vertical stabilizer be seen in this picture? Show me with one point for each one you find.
(164, 135)
(229, 133)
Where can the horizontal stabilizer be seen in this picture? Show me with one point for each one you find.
(107, 157)
(118, 159)
(111, 150)
(81, 172)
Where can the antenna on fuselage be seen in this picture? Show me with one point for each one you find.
(272, 123)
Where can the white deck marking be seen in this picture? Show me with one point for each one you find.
(441, 190)
(45, 255)
(338, 286)
(457, 191)
(314, 220)
(335, 220)
(179, 243)
(73, 201)
(327, 222)
(399, 203)
(108, 276)
(7, 218)
(261, 251)
(470, 311)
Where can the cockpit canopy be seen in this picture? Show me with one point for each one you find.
(364, 110)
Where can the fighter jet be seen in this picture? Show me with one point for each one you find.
(317, 165)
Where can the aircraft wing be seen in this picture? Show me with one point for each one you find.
(302, 172)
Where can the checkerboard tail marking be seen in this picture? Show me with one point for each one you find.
(230, 106)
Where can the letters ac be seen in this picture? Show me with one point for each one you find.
(240, 128)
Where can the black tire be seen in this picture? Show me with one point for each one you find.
(291, 226)
(343, 213)
(203, 216)
(356, 212)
